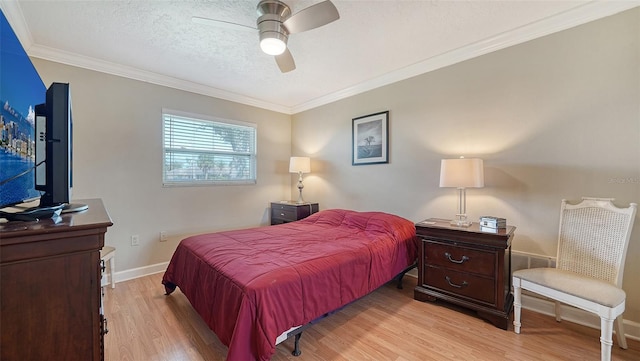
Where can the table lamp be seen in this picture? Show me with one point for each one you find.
(462, 173)
(300, 165)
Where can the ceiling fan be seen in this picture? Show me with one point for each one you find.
(275, 23)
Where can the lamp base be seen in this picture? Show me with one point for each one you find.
(461, 221)
(300, 186)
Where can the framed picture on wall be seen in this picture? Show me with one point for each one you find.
(370, 142)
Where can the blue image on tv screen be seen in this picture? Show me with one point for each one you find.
(21, 89)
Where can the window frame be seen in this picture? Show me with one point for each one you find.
(253, 156)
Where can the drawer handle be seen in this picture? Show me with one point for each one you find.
(464, 283)
(104, 330)
(448, 255)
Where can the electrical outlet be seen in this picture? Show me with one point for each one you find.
(135, 240)
(163, 236)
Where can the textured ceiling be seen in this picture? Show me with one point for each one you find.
(373, 42)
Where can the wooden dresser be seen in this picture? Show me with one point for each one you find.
(284, 212)
(50, 296)
(466, 266)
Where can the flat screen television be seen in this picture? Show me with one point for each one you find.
(21, 89)
(36, 148)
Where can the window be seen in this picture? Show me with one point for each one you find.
(201, 151)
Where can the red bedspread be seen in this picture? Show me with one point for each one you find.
(251, 285)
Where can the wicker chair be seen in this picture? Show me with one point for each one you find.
(592, 246)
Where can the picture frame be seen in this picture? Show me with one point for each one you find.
(370, 139)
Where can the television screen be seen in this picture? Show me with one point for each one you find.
(20, 90)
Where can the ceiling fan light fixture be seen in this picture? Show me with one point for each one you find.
(273, 36)
(273, 45)
(275, 23)
(273, 39)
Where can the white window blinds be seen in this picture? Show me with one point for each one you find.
(207, 151)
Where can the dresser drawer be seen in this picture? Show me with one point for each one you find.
(460, 258)
(460, 283)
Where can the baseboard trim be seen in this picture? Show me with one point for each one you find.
(571, 314)
(134, 273)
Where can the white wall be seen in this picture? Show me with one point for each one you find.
(554, 118)
(118, 157)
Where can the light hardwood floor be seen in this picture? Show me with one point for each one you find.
(388, 324)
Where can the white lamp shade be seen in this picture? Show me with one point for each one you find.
(300, 164)
(462, 173)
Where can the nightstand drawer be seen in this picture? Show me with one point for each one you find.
(283, 206)
(284, 213)
(462, 284)
(459, 258)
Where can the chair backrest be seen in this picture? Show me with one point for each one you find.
(594, 237)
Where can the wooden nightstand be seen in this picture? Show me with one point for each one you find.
(466, 266)
(284, 212)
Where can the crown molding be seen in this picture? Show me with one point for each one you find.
(577, 16)
(85, 62)
(13, 13)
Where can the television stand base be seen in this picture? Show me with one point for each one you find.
(74, 207)
(32, 214)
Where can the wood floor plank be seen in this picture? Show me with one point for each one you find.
(144, 324)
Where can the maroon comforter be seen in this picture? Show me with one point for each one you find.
(251, 285)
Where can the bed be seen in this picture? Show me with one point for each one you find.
(253, 285)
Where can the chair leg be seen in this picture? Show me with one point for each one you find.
(112, 264)
(558, 311)
(606, 333)
(622, 340)
(517, 304)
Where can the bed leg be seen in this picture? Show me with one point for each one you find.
(296, 345)
(400, 276)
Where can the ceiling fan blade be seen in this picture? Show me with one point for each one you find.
(221, 24)
(312, 17)
(285, 61)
